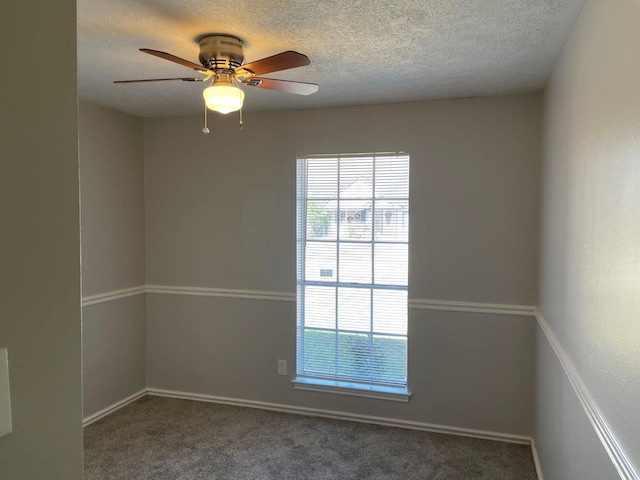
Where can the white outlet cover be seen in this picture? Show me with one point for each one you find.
(282, 367)
(5, 397)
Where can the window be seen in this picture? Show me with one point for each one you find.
(352, 238)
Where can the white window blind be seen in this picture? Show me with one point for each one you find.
(352, 269)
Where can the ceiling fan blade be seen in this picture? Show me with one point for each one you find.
(275, 63)
(299, 88)
(178, 60)
(160, 80)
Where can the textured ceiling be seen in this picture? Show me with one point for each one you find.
(361, 51)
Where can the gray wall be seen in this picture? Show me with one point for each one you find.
(112, 194)
(567, 444)
(590, 248)
(40, 240)
(221, 208)
(220, 212)
(113, 257)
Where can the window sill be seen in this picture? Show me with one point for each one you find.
(378, 392)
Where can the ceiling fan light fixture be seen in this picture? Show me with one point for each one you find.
(223, 98)
(222, 62)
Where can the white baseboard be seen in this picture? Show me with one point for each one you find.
(112, 408)
(390, 422)
(536, 459)
(315, 412)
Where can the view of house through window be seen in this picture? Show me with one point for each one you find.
(353, 219)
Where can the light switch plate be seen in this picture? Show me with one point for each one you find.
(5, 397)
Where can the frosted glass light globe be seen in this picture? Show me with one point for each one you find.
(223, 98)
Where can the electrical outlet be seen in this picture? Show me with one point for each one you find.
(282, 367)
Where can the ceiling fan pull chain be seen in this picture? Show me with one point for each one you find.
(241, 124)
(205, 130)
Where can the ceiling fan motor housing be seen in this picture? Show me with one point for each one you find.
(221, 52)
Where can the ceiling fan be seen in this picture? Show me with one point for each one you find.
(221, 58)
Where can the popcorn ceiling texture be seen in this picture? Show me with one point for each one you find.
(362, 51)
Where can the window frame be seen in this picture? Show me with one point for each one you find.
(368, 388)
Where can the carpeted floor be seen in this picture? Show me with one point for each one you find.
(158, 438)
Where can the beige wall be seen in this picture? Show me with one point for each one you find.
(40, 240)
(220, 212)
(113, 257)
(590, 248)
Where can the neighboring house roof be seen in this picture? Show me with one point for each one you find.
(358, 194)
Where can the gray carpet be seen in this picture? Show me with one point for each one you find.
(158, 438)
